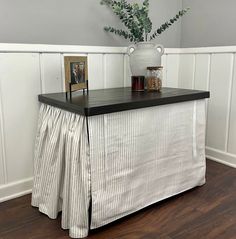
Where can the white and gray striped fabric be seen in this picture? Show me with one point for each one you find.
(62, 170)
(133, 159)
(142, 156)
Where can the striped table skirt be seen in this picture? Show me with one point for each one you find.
(112, 165)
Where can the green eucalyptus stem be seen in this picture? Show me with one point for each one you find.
(136, 20)
(166, 25)
(119, 32)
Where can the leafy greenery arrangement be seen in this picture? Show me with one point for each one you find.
(137, 21)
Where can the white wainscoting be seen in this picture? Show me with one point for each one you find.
(214, 69)
(25, 72)
(28, 70)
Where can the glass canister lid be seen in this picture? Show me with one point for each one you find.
(154, 68)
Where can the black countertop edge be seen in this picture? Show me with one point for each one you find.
(106, 109)
(62, 105)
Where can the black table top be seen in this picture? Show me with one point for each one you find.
(105, 101)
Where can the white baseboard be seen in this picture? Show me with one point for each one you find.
(23, 187)
(221, 157)
(15, 189)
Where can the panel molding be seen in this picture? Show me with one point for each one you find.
(66, 49)
(204, 50)
(49, 48)
(70, 49)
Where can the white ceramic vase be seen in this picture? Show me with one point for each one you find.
(144, 54)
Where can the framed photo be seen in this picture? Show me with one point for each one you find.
(76, 72)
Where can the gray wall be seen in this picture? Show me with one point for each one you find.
(75, 22)
(209, 23)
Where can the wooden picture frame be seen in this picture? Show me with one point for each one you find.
(76, 73)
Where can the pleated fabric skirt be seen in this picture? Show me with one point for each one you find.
(132, 159)
(62, 169)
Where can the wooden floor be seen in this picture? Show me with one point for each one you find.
(207, 212)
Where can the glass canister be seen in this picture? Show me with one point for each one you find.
(154, 78)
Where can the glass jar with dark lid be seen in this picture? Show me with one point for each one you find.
(154, 78)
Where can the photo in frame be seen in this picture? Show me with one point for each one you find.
(76, 73)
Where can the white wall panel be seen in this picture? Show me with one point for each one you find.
(114, 70)
(2, 180)
(2, 144)
(2, 158)
(127, 71)
(164, 73)
(95, 71)
(20, 85)
(232, 122)
(51, 72)
(221, 75)
(186, 71)
(202, 71)
(172, 74)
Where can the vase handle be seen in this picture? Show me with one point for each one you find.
(130, 49)
(160, 48)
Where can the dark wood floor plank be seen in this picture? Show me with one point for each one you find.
(207, 212)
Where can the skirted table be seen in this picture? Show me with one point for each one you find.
(104, 155)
